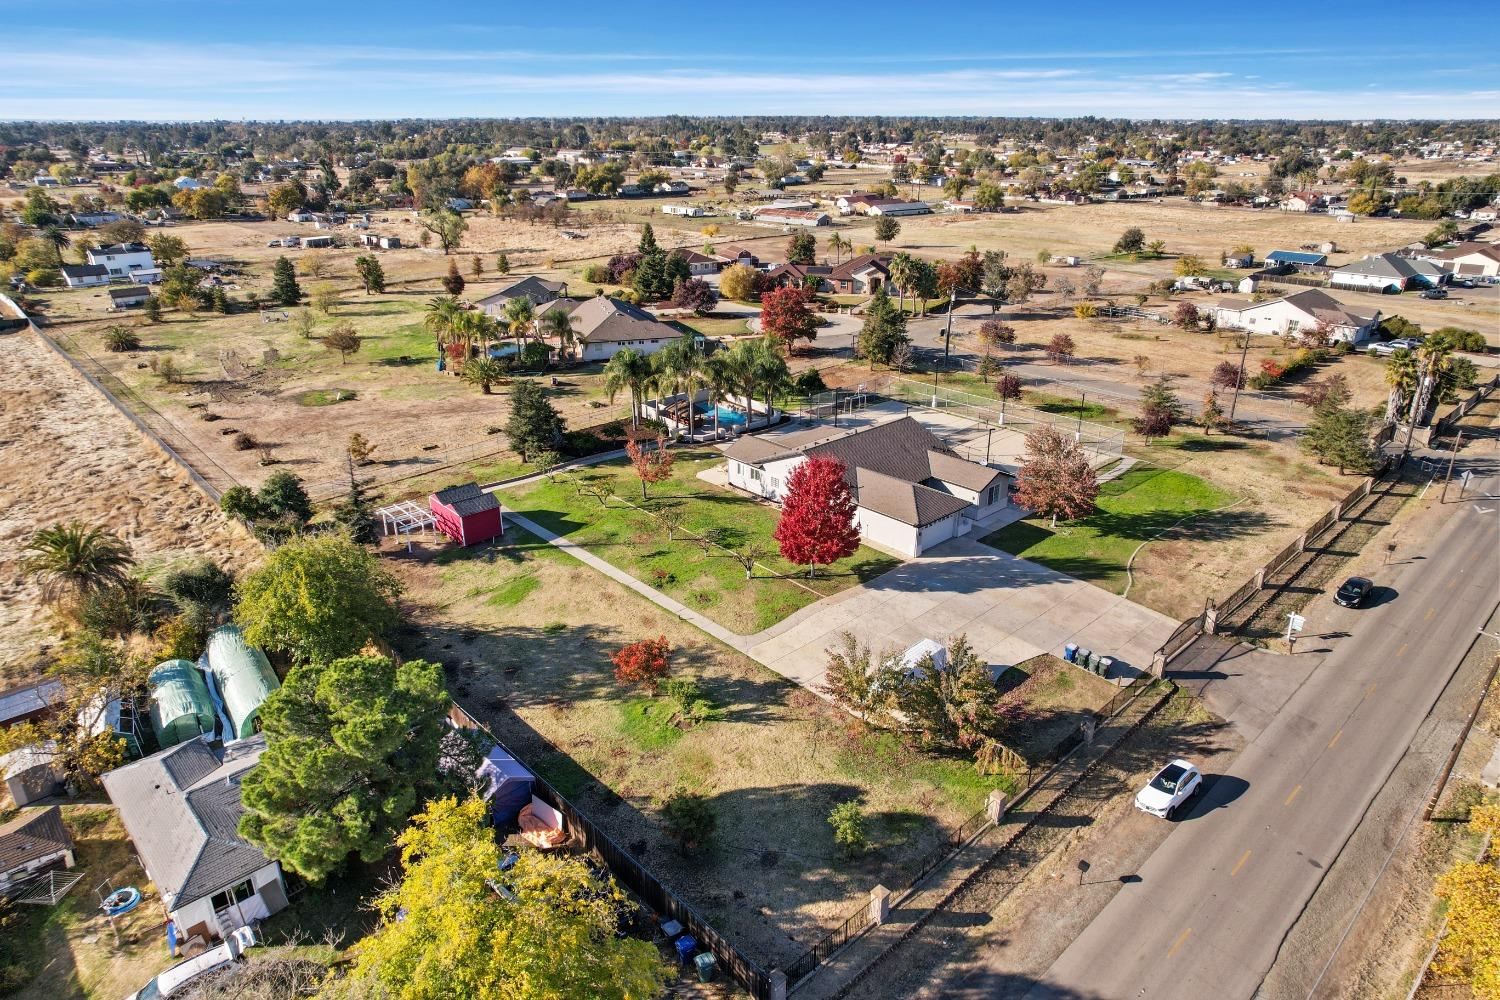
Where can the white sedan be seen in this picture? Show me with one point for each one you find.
(1172, 786)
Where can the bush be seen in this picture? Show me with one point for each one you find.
(243, 442)
(809, 383)
(597, 274)
(848, 822)
(692, 706)
(1464, 340)
(690, 820)
(643, 663)
(205, 584)
(119, 339)
(44, 277)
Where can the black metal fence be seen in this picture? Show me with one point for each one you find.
(646, 886)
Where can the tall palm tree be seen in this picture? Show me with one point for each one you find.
(1436, 357)
(903, 274)
(520, 316)
(74, 560)
(631, 370)
(442, 318)
(1401, 373)
(557, 323)
(836, 243)
(682, 366)
(769, 368)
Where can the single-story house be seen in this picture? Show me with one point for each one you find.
(854, 202)
(122, 258)
(126, 298)
(188, 184)
(792, 216)
(603, 326)
(910, 490)
(1489, 213)
(301, 215)
(316, 242)
(538, 290)
(1302, 257)
(672, 187)
(700, 263)
(1298, 311)
(182, 810)
(800, 275)
(961, 206)
(91, 219)
(860, 275)
(1303, 201)
(1468, 260)
(738, 255)
(33, 842)
(898, 207)
(146, 276)
(688, 211)
(466, 514)
(84, 275)
(1382, 272)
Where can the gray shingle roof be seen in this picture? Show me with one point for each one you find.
(909, 503)
(31, 835)
(182, 808)
(603, 320)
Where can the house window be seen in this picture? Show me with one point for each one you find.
(991, 496)
(234, 894)
(756, 476)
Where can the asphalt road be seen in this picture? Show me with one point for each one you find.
(1215, 901)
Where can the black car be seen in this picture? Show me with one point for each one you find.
(1353, 593)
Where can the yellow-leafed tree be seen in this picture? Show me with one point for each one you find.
(1470, 949)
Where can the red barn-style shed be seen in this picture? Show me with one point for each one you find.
(466, 514)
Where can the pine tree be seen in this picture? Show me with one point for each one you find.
(284, 287)
(453, 282)
(648, 241)
(534, 425)
(884, 329)
(357, 511)
(1340, 436)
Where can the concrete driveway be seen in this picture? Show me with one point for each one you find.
(1011, 610)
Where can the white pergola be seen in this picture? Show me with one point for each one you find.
(404, 518)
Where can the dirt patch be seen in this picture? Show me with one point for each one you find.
(67, 454)
(1046, 701)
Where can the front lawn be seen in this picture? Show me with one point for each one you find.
(1132, 509)
(704, 577)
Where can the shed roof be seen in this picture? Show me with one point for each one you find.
(180, 704)
(242, 675)
(32, 835)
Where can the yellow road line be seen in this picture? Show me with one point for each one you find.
(1178, 943)
(1428, 616)
(1240, 864)
(1402, 649)
(1292, 796)
(1335, 739)
(1371, 690)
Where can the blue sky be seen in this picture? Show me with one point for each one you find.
(171, 59)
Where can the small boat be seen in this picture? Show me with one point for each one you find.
(121, 901)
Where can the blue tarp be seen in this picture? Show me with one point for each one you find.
(507, 785)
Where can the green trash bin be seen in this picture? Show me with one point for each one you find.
(707, 966)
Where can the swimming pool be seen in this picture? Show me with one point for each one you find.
(726, 414)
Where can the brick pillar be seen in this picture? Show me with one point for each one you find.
(778, 984)
(1211, 620)
(880, 905)
(1089, 724)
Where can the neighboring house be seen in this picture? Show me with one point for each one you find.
(538, 290)
(700, 263)
(603, 326)
(689, 211)
(855, 202)
(1468, 260)
(738, 255)
(33, 842)
(459, 204)
(1489, 213)
(1295, 257)
(146, 276)
(813, 276)
(1303, 201)
(301, 215)
(30, 702)
(1382, 272)
(911, 491)
(188, 184)
(878, 208)
(182, 809)
(89, 220)
(861, 275)
(316, 242)
(84, 275)
(961, 207)
(122, 258)
(1300, 311)
(126, 298)
(672, 187)
(792, 216)
(31, 773)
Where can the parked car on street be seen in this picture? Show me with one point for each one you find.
(180, 977)
(1353, 592)
(1435, 293)
(1172, 786)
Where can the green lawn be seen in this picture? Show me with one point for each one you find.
(698, 575)
(1132, 509)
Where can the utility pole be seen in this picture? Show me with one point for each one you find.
(1081, 397)
(1241, 380)
(1452, 457)
(948, 333)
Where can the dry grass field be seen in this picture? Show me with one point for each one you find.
(68, 455)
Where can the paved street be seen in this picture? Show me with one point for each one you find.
(1215, 900)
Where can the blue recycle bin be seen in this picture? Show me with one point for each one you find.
(1070, 652)
(684, 946)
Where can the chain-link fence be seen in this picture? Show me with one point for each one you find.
(1099, 438)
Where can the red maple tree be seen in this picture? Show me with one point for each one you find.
(784, 314)
(643, 662)
(1055, 479)
(651, 465)
(817, 515)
